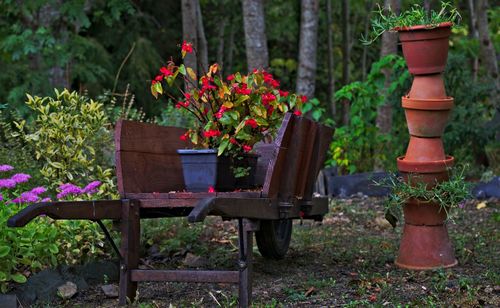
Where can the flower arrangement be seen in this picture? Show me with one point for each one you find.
(387, 20)
(232, 114)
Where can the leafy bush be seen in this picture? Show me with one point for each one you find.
(43, 242)
(70, 137)
(356, 146)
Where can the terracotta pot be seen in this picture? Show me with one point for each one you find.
(429, 179)
(427, 86)
(427, 117)
(421, 213)
(424, 149)
(425, 167)
(425, 48)
(425, 248)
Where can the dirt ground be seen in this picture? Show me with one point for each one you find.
(347, 260)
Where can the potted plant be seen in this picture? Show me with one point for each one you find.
(232, 114)
(426, 208)
(424, 37)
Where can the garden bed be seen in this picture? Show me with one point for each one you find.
(346, 260)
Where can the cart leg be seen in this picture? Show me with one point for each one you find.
(130, 237)
(245, 236)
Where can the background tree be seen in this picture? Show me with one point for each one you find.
(306, 75)
(255, 34)
(346, 56)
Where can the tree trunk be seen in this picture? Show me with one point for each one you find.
(389, 46)
(189, 31)
(202, 40)
(308, 43)
(331, 72)
(255, 34)
(473, 34)
(230, 49)
(427, 7)
(220, 47)
(486, 49)
(369, 9)
(346, 56)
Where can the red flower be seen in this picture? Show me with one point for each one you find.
(269, 79)
(251, 122)
(183, 137)
(166, 72)
(159, 78)
(206, 84)
(267, 98)
(211, 189)
(297, 112)
(233, 141)
(187, 95)
(187, 47)
(153, 82)
(211, 133)
(270, 110)
(303, 98)
(230, 77)
(247, 148)
(283, 93)
(221, 111)
(243, 90)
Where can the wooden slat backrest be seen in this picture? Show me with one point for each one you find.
(146, 157)
(300, 150)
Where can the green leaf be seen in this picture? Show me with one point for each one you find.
(4, 250)
(19, 278)
(223, 145)
(182, 69)
(53, 248)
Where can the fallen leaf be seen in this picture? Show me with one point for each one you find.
(481, 205)
(310, 291)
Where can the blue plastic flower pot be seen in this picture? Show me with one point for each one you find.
(203, 169)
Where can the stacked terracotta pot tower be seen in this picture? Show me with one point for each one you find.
(425, 243)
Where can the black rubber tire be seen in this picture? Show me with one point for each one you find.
(273, 238)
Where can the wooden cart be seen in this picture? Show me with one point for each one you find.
(150, 183)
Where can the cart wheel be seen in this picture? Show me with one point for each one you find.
(273, 238)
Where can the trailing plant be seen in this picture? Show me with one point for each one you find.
(450, 195)
(70, 138)
(387, 20)
(44, 242)
(356, 146)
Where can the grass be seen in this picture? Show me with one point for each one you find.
(346, 261)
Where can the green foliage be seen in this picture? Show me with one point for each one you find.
(387, 20)
(472, 101)
(70, 137)
(356, 146)
(450, 194)
(43, 242)
(173, 235)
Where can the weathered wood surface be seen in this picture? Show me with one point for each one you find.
(147, 159)
(91, 210)
(130, 247)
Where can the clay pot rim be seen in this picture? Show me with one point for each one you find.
(424, 27)
(425, 166)
(427, 104)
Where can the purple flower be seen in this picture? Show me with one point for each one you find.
(7, 183)
(46, 199)
(26, 197)
(1, 197)
(29, 197)
(68, 189)
(5, 168)
(20, 177)
(92, 187)
(38, 190)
